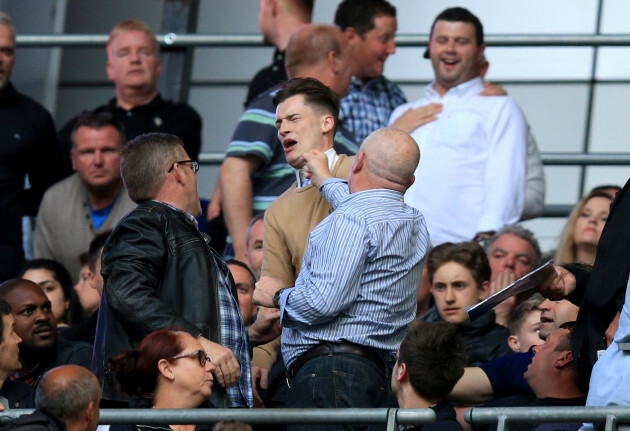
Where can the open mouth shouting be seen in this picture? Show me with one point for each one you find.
(288, 144)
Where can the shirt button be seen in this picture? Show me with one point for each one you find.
(129, 114)
(274, 68)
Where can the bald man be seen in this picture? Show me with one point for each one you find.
(356, 293)
(68, 395)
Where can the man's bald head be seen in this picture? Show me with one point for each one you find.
(392, 156)
(67, 392)
(310, 45)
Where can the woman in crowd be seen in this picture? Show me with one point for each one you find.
(56, 283)
(460, 277)
(169, 370)
(580, 236)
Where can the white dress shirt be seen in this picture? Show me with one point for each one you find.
(332, 156)
(471, 175)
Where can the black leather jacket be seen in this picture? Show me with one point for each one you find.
(159, 272)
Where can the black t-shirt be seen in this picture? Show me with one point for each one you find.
(267, 77)
(159, 115)
(28, 146)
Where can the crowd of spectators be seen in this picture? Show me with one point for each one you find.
(351, 258)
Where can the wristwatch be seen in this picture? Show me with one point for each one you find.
(276, 297)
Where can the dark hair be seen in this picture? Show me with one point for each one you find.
(145, 162)
(521, 312)
(96, 245)
(316, 95)
(136, 370)
(98, 120)
(565, 341)
(605, 187)
(434, 355)
(5, 309)
(242, 265)
(83, 259)
(468, 254)
(74, 314)
(460, 14)
(579, 376)
(360, 14)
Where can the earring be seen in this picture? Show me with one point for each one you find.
(172, 376)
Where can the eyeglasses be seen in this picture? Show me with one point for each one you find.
(395, 356)
(195, 165)
(200, 354)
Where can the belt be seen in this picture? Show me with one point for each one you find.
(329, 349)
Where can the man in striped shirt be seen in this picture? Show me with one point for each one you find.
(356, 293)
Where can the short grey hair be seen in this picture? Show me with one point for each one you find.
(521, 232)
(67, 398)
(6, 20)
(145, 162)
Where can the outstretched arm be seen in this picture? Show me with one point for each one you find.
(236, 198)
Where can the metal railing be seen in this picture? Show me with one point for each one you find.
(391, 417)
(247, 40)
(180, 41)
(503, 416)
(549, 159)
(408, 40)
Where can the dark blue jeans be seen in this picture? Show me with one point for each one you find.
(339, 381)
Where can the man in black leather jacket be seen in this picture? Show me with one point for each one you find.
(160, 271)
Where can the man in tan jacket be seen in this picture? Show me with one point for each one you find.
(292, 216)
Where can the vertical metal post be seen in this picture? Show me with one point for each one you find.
(590, 98)
(611, 423)
(502, 423)
(392, 421)
(178, 16)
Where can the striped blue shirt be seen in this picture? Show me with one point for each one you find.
(360, 274)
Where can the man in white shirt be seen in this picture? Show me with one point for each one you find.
(471, 178)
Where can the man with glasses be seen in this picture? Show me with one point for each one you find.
(160, 271)
(91, 201)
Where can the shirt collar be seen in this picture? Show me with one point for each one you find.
(332, 156)
(9, 91)
(157, 100)
(468, 88)
(357, 84)
(190, 217)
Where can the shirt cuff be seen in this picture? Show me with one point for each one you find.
(333, 180)
(284, 296)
